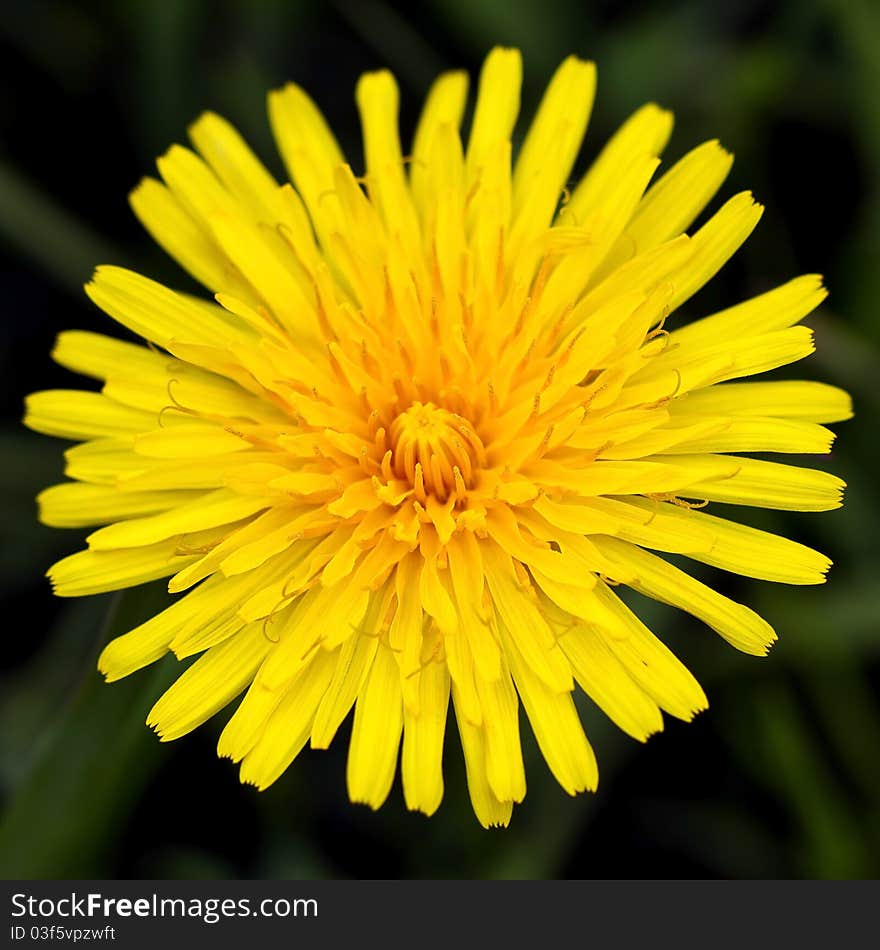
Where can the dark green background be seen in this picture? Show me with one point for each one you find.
(779, 778)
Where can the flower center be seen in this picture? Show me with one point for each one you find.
(435, 450)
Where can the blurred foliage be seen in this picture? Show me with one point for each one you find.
(781, 778)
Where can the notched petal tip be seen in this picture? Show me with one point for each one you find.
(377, 77)
(106, 668)
(578, 60)
(746, 202)
(499, 51)
(145, 182)
(288, 88)
(659, 114)
(104, 272)
(251, 780)
(649, 733)
(372, 805)
(206, 118)
(29, 410)
(155, 727)
(425, 810)
(768, 646)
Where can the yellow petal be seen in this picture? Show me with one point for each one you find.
(504, 762)
(188, 392)
(497, 104)
(554, 720)
(605, 680)
(434, 595)
(649, 523)
(623, 478)
(159, 314)
(684, 361)
(150, 640)
(444, 106)
(309, 150)
(174, 228)
(565, 108)
(739, 480)
(490, 812)
(356, 657)
(94, 354)
(405, 633)
(526, 627)
(209, 511)
(248, 723)
(715, 243)
(269, 534)
(94, 572)
(232, 160)
(77, 504)
(326, 615)
(602, 219)
(460, 660)
(670, 206)
(375, 737)
(421, 763)
(378, 98)
(786, 399)
(466, 570)
(774, 310)
(213, 471)
(550, 148)
(216, 678)
(650, 664)
(740, 548)
(287, 729)
(739, 625)
(263, 266)
(102, 461)
(188, 440)
(755, 434)
(73, 414)
(645, 132)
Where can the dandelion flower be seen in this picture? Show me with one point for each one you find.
(431, 419)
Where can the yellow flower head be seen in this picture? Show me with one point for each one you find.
(433, 418)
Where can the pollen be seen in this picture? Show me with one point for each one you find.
(441, 444)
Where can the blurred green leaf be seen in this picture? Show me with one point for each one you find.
(163, 38)
(398, 45)
(29, 703)
(66, 814)
(30, 463)
(531, 26)
(185, 864)
(850, 713)
(716, 834)
(779, 747)
(33, 224)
